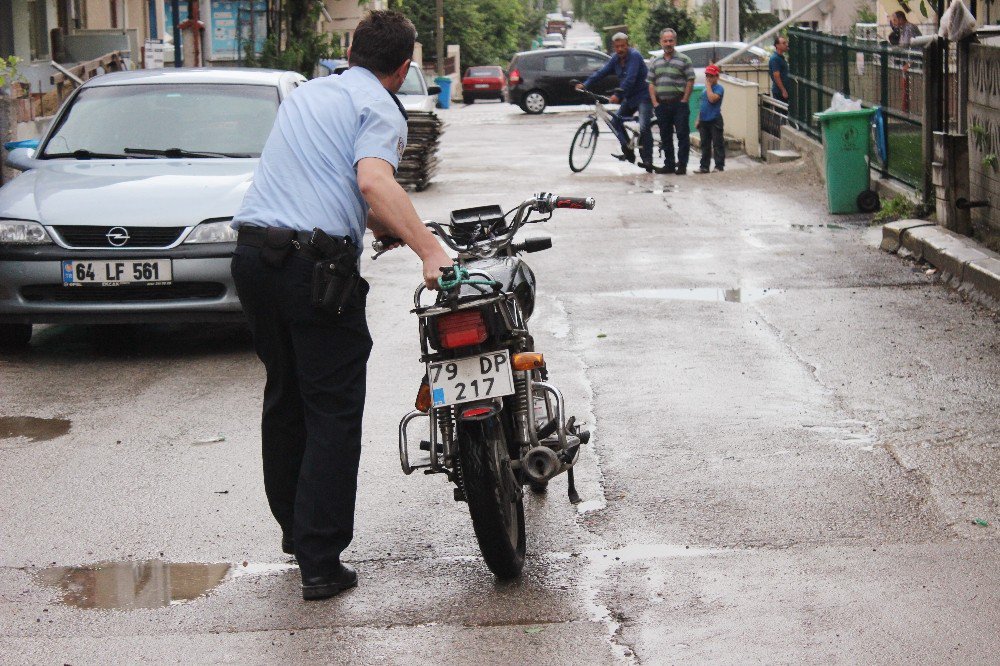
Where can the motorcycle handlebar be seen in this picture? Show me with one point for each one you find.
(578, 203)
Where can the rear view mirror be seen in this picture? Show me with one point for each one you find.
(21, 159)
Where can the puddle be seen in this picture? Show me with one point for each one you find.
(658, 190)
(738, 295)
(35, 429)
(130, 585)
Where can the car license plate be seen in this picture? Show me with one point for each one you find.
(104, 273)
(472, 378)
(482, 85)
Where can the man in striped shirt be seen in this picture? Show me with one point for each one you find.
(671, 79)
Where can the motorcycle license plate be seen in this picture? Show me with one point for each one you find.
(471, 378)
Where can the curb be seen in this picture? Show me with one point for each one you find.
(961, 260)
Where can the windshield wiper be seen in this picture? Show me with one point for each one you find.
(180, 152)
(84, 154)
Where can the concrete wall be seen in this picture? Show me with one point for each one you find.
(984, 142)
(741, 113)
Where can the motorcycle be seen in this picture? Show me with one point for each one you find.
(495, 423)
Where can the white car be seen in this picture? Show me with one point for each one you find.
(703, 54)
(553, 40)
(414, 94)
(122, 213)
(592, 43)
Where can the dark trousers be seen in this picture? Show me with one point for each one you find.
(674, 118)
(645, 109)
(313, 404)
(712, 140)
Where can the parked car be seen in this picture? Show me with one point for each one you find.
(485, 82)
(553, 40)
(414, 94)
(590, 43)
(122, 213)
(703, 54)
(538, 79)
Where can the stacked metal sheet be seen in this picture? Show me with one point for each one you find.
(420, 160)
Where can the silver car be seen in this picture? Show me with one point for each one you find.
(122, 213)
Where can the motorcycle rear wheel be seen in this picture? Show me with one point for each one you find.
(493, 493)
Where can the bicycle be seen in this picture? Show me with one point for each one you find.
(584, 145)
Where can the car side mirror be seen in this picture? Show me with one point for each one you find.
(433, 90)
(21, 159)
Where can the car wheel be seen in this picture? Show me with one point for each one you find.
(534, 102)
(467, 100)
(13, 336)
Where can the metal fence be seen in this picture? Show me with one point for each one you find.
(878, 75)
(773, 115)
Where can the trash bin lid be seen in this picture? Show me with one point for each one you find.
(839, 115)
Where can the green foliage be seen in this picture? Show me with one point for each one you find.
(990, 161)
(664, 15)
(896, 208)
(489, 31)
(864, 13)
(294, 44)
(9, 71)
(754, 23)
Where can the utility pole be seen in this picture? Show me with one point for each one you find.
(175, 10)
(439, 37)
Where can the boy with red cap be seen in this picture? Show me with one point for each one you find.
(709, 122)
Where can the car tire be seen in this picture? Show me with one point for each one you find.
(467, 100)
(14, 336)
(534, 102)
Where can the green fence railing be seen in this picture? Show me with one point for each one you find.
(878, 75)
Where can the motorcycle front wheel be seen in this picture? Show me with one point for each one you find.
(494, 495)
(584, 145)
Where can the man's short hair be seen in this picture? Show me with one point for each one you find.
(382, 42)
(778, 39)
(670, 30)
(900, 15)
(619, 36)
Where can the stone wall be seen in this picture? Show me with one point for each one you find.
(984, 142)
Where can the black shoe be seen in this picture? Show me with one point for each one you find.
(648, 166)
(665, 169)
(287, 545)
(718, 168)
(626, 156)
(324, 587)
(703, 170)
(681, 171)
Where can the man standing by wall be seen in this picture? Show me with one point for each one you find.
(777, 67)
(630, 69)
(671, 79)
(326, 171)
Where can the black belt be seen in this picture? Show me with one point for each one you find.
(254, 236)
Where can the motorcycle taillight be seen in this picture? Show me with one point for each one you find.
(461, 329)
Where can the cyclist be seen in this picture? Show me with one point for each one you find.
(630, 68)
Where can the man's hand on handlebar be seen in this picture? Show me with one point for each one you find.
(614, 99)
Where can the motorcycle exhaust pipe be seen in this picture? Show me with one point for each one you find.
(541, 464)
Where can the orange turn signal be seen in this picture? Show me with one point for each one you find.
(528, 361)
(423, 401)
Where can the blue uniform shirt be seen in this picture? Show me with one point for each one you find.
(777, 63)
(306, 176)
(709, 111)
(631, 76)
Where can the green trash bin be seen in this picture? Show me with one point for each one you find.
(846, 138)
(694, 103)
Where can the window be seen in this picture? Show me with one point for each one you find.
(483, 71)
(413, 84)
(38, 30)
(593, 63)
(699, 57)
(559, 63)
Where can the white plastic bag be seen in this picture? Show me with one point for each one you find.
(957, 22)
(841, 103)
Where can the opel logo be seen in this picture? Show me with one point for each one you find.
(117, 236)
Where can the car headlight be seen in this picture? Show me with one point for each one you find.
(212, 232)
(22, 232)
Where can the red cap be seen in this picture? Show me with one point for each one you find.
(712, 70)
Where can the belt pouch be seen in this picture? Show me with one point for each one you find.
(277, 246)
(334, 282)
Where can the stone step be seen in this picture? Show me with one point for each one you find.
(782, 155)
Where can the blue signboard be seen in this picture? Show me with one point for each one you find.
(234, 23)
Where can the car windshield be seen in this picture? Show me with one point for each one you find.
(412, 84)
(166, 120)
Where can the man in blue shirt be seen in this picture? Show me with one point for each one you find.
(630, 68)
(326, 172)
(777, 67)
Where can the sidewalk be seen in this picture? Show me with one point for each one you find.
(964, 263)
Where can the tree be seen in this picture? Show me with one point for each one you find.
(664, 15)
(292, 41)
(754, 23)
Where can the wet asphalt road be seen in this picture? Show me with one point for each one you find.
(793, 434)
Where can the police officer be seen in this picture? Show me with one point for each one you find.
(326, 172)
